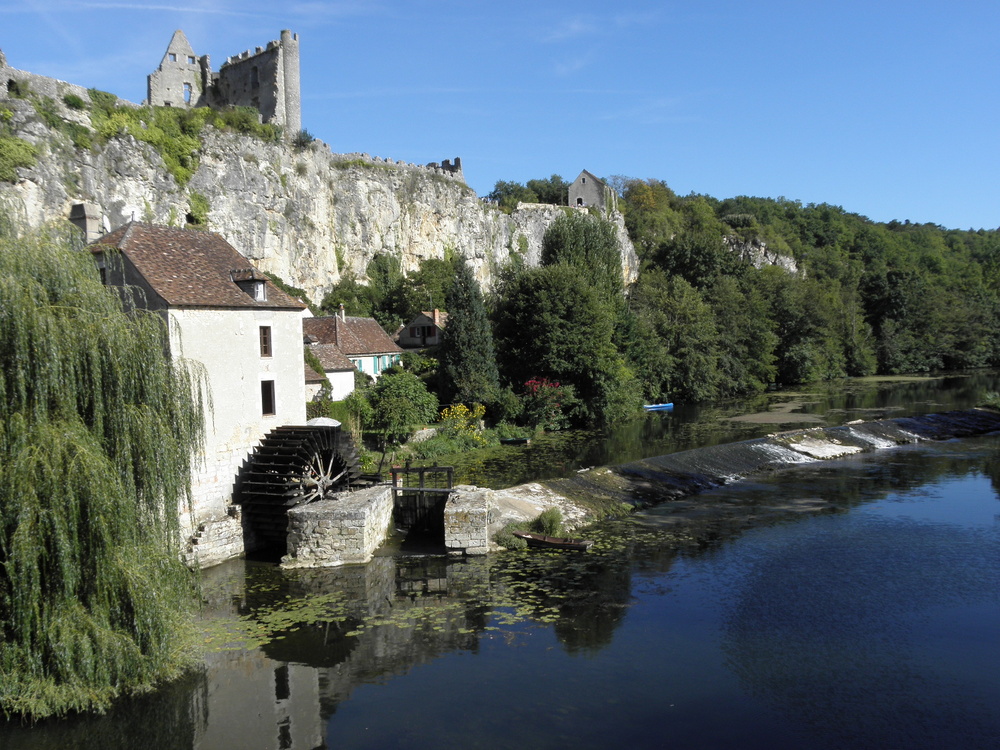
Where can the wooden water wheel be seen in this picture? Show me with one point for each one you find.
(291, 466)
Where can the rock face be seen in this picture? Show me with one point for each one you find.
(306, 214)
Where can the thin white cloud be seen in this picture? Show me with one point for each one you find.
(570, 67)
(572, 28)
(651, 112)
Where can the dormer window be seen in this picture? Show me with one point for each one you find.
(251, 281)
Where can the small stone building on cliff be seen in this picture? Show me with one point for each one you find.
(588, 191)
(244, 334)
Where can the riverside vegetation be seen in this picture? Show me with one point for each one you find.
(97, 432)
(701, 322)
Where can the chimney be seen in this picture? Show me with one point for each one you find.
(342, 312)
(87, 218)
(437, 318)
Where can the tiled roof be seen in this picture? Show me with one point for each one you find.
(312, 376)
(353, 336)
(332, 359)
(429, 314)
(192, 268)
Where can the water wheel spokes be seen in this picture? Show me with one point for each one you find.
(291, 466)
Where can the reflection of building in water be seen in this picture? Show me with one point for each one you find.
(250, 701)
(253, 702)
(280, 697)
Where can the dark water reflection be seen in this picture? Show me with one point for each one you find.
(869, 620)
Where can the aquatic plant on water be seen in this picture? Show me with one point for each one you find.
(97, 433)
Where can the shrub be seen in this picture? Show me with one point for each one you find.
(549, 522)
(18, 89)
(459, 420)
(198, 207)
(74, 102)
(102, 100)
(302, 139)
(14, 153)
(546, 403)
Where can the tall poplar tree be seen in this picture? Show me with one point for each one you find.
(468, 359)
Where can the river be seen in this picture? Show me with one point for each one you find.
(868, 620)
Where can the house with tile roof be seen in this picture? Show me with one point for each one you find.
(338, 370)
(361, 340)
(424, 330)
(243, 332)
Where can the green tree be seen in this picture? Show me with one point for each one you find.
(97, 434)
(550, 323)
(429, 286)
(399, 402)
(508, 194)
(590, 245)
(467, 357)
(746, 340)
(554, 190)
(684, 322)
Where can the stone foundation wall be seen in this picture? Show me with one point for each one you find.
(214, 540)
(466, 520)
(345, 528)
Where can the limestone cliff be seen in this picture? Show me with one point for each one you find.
(305, 214)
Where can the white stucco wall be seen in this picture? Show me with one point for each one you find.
(341, 384)
(374, 365)
(227, 344)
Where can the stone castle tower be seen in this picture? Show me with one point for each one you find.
(266, 79)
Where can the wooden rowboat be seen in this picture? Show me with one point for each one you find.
(540, 541)
(515, 441)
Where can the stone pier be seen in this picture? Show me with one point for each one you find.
(345, 528)
(466, 520)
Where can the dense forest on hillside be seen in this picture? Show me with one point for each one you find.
(701, 321)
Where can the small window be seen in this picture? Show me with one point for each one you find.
(267, 398)
(583, 180)
(254, 78)
(265, 341)
(172, 57)
(282, 686)
(190, 59)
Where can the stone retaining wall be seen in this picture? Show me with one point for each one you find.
(345, 528)
(214, 540)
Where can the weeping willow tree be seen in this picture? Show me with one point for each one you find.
(97, 432)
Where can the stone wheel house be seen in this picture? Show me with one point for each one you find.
(244, 336)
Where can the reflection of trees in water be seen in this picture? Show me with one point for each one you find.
(167, 719)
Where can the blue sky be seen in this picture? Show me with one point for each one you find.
(889, 109)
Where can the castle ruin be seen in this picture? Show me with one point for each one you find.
(266, 79)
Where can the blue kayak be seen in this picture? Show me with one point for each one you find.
(658, 407)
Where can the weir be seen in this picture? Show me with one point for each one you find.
(663, 478)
